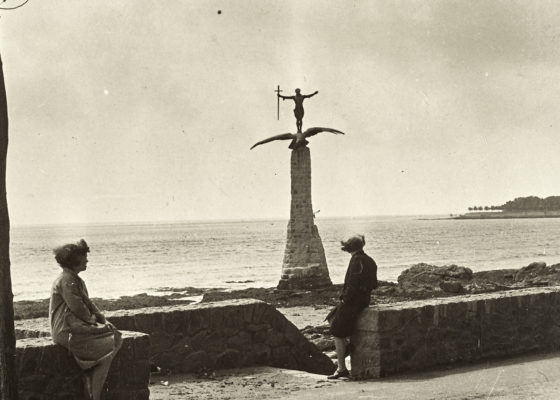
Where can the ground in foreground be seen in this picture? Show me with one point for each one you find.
(527, 377)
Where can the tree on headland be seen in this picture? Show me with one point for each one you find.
(532, 203)
(529, 203)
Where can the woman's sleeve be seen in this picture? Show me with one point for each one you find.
(354, 280)
(91, 305)
(70, 292)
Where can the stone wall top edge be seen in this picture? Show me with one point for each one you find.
(185, 307)
(34, 342)
(47, 340)
(466, 298)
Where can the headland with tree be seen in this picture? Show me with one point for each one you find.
(521, 207)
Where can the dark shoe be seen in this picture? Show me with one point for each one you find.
(339, 374)
(349, 349)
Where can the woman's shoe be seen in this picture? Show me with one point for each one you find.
(340, 374)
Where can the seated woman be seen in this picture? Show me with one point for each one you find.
(77, 324)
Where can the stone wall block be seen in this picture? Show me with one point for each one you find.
(136, 375)
(160, 342)
(141, 346)
(212, 332)
(229, 358)
(390, 320)
(148, 322)
(257, 327)
(241, 340)
(228, 317)
(292, 334)
(195, 322)
(419, 334)
(197, 360)
(260, 353)
(123, 320)
(368, 321)
(260, 336)
(56, 375)
(248, 313)
(174, 321)
(274, 338)
(282, 357)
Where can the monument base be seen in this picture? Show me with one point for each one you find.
(309, 283)
(305, 265)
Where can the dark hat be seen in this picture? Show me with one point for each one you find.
(353, 243)
(67, 255)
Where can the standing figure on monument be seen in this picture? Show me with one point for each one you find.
(298, 111)
(360, 280)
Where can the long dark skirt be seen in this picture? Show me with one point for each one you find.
(344, 320)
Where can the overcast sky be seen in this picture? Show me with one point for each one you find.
(145, 110)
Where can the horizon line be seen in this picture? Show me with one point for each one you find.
(211, 220)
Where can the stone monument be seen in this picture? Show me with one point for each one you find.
(305, 264)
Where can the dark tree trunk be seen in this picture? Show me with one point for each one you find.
(8, 380)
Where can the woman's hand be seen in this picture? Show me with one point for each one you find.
(100, 318)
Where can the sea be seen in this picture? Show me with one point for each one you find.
(133, 258)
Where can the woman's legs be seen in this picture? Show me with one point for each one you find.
(98, 375)
(99, 372)
(87, 385)
(340, 345)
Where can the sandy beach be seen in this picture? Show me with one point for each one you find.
(518, 378)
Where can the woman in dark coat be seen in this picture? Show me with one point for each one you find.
(77, 324)
(360, 280)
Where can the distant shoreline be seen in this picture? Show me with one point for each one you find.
(509, 215)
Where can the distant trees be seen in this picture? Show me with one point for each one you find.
(478, 208)
(533, 203)
(530, 203)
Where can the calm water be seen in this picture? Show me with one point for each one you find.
(134, 258)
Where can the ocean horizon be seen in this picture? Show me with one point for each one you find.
(129, 258)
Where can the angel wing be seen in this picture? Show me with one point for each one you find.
(282, 136)
(316, 130)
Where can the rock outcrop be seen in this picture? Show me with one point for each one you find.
(422, 278)
(425, 280)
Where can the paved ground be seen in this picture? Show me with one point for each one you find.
(528, 377)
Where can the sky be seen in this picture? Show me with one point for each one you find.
(140, 110)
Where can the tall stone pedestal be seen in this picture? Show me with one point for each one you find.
(305, 265)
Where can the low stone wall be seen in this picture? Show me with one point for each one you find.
(226, 334)
(418, 334)
(47, 371)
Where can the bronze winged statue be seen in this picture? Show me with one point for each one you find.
(298, 139)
